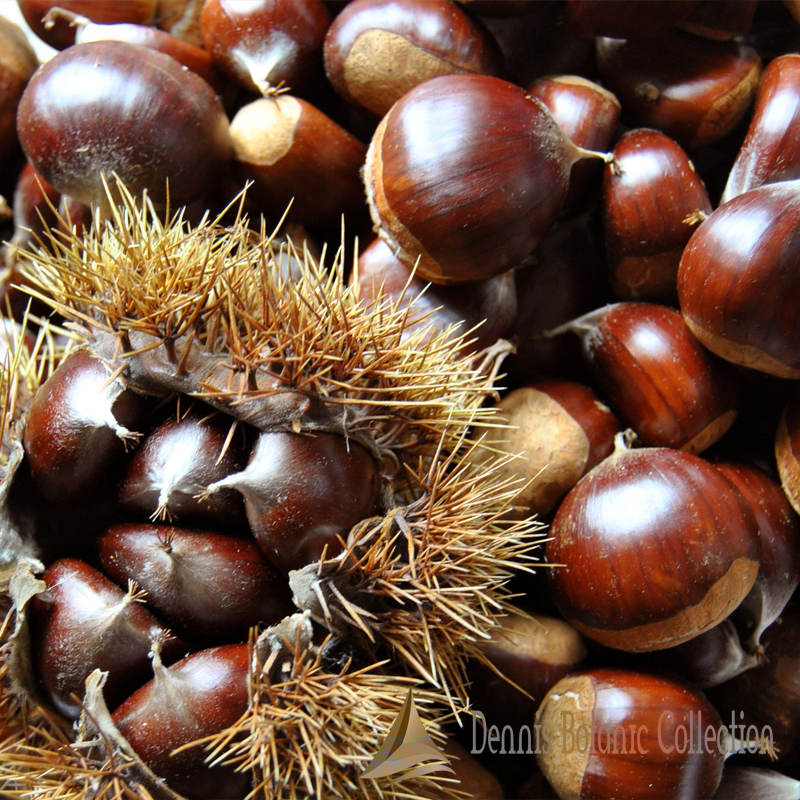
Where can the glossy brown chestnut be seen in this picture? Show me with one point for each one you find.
(657, 547)
(559, 430)
(211, 586)
(17, 63)
(693, 90)
(303, 493)
(177, 460)
(657, 377)
(201, 695)
(779, 570)
(483, 311)
(112, 107)
(294, 153)
(84, 622)
(771, 149)
(533, 652)
(196, 59)
(78, 428)
(652, 202)
(738, 283)
(376, 51)
(465, 175)
(614, 733)
(265, 43)
(35, 201)
(60, 34)
(588, 114)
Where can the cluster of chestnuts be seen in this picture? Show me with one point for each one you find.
(241, 490)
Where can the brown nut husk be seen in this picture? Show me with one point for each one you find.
(206, 313)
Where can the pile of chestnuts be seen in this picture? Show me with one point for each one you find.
(249, 501)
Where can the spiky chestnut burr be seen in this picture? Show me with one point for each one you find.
(297, 696)
(207, 313)
(424, 583)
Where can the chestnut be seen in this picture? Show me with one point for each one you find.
(483, 312)
(696, 91)
(779, 570)
(112, 107)
(464, 176)
(263, 44)
(213, 587)
(529, 653)
(201, 695)
(292, 152)
(303, 493)
(588, 114)
(652, 202)
(195, 58)
(376, 51)
(615, 733)
(84, 622)
(60, 34)
(738, 284)
(34, 213)
(771, 149)
(79, 425)
(174, 463)
(653, 372)
(655, 545)
(559, 430)
(35, 202)
(18, 62)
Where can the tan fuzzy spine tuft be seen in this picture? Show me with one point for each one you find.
(311, 730)
(426, 583)
(208, 312)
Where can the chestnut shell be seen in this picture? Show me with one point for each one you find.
(105, 108)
